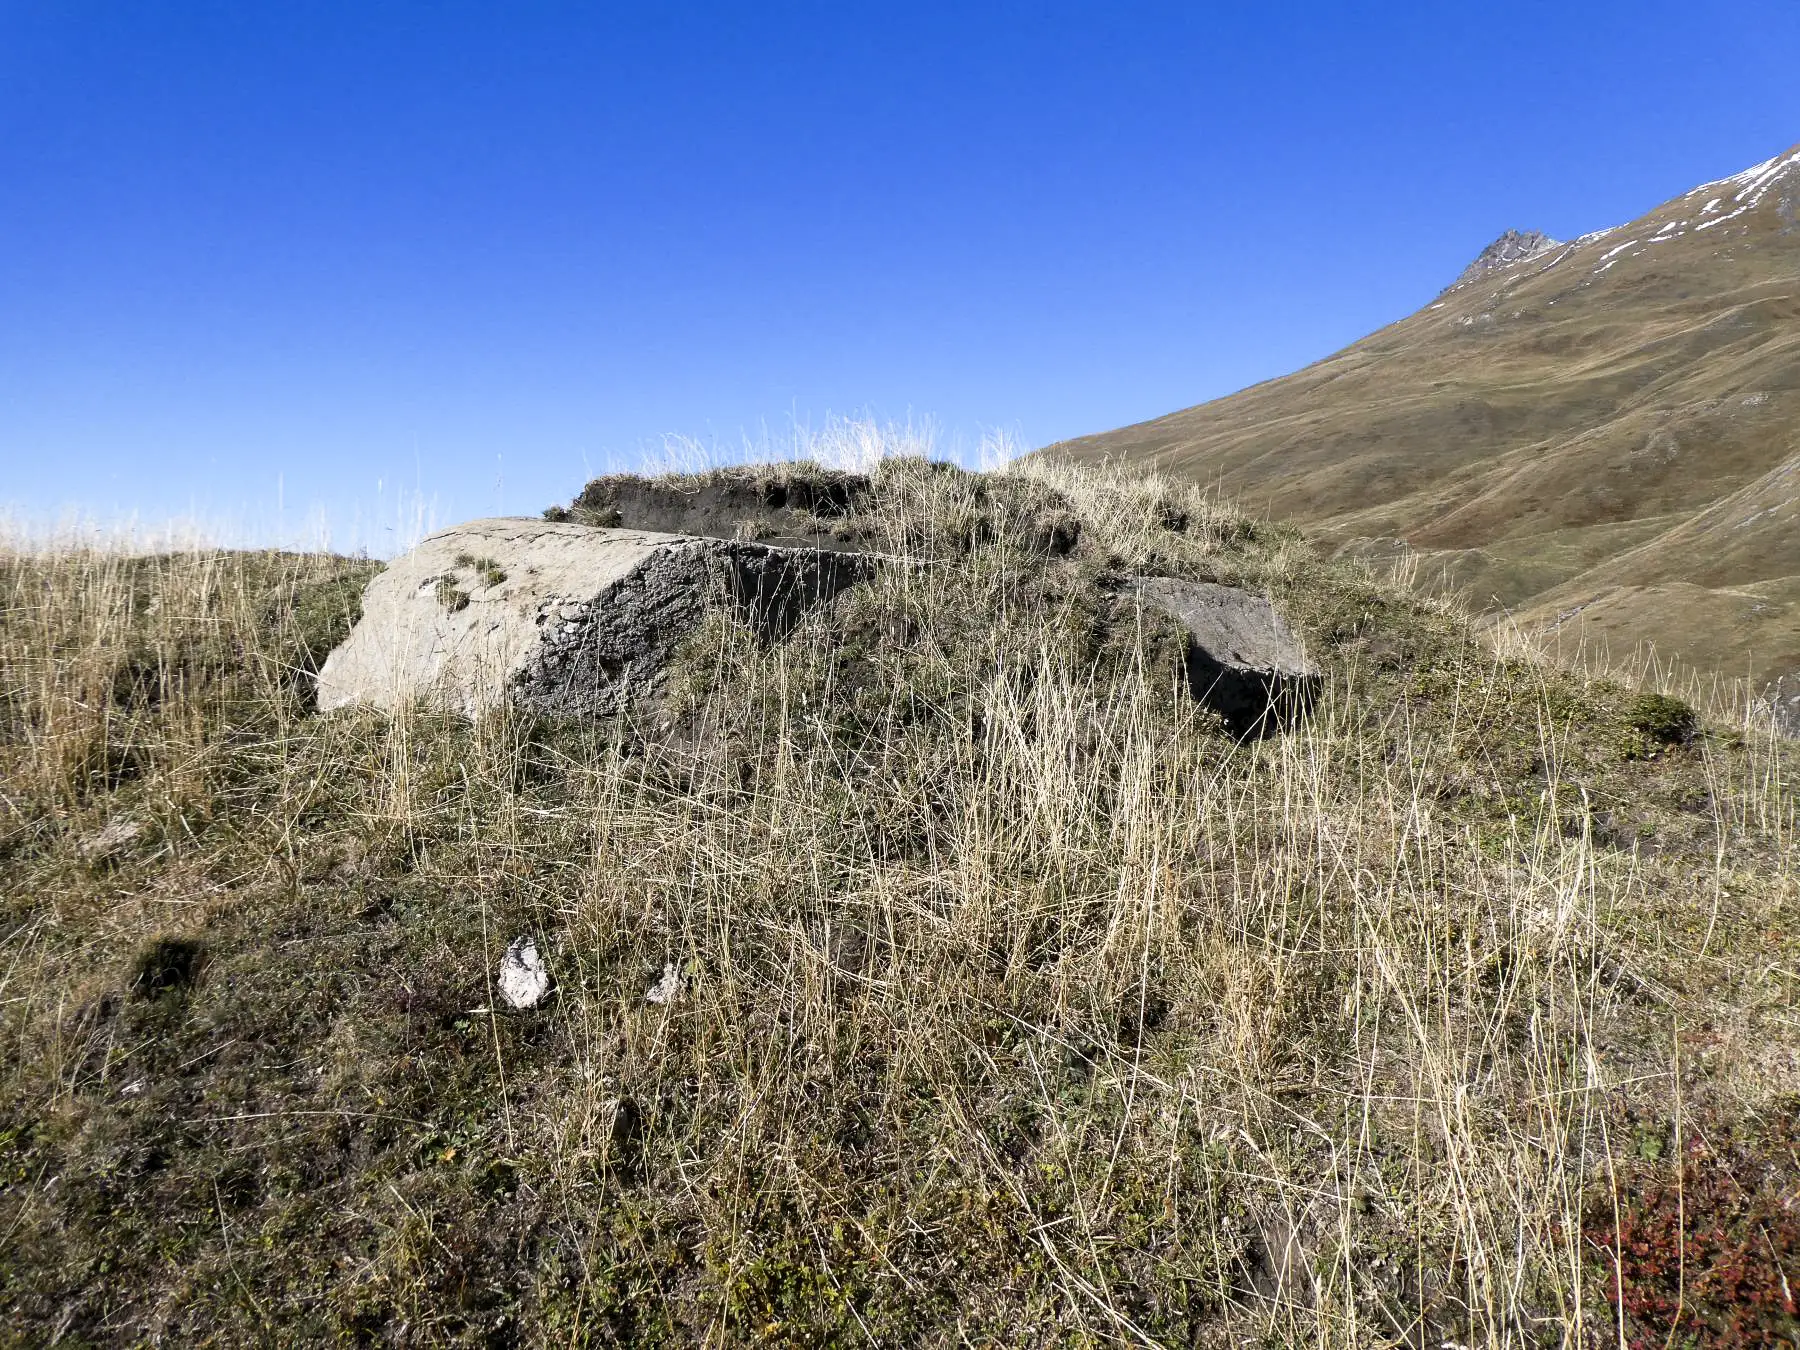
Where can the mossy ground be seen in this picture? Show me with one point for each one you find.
(1021, 1004)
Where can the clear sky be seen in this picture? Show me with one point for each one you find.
(261, 260)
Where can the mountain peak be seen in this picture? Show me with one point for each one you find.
(1515, 246)
(1602, 434)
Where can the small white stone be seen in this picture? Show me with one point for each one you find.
(668, 989)
(523, 979)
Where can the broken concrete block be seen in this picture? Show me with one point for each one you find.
(558, 617)
(669, 988)
(1242, 659)
(523, 979)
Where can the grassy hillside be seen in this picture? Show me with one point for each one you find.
(1018, 1003)
(1604, 434)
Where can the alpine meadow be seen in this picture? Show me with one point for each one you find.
(900, 677)
(937, 971)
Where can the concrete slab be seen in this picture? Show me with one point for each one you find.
(1242, 658)
(558, 617)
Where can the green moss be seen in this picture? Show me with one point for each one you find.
(1661, 719)
(487, 571)
(451, 596)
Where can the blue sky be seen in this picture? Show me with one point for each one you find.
(262, 261)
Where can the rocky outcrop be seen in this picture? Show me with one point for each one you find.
(1242, 659)
(1515, 246)
(558, 617)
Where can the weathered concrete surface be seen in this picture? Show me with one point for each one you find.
(1242, 658)
(559, 617)
(523, 980)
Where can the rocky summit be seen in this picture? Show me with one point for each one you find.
(1515, 246)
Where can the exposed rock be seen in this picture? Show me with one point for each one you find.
(1242, 658)
(1515, 246)
(523, 979)
(558, 616)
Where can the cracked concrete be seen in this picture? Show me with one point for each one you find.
(558, 617)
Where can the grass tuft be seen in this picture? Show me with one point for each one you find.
(1662, 719)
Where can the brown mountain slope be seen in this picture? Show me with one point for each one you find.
(1604, 432)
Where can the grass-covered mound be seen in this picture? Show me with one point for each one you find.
(1016, 1002)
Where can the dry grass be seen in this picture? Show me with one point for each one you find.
(1018, 1003)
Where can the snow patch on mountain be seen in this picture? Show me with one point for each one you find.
(1754, 180)
(1745, 191)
